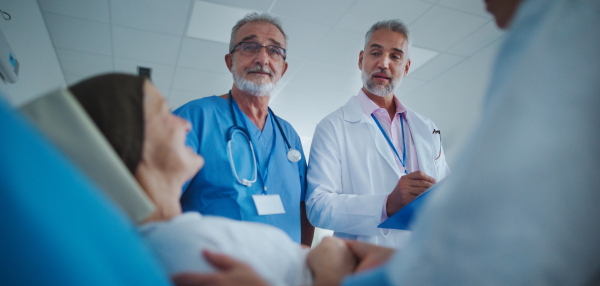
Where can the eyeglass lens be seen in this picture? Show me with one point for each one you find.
(254, 48)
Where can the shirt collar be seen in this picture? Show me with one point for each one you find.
(368, 106)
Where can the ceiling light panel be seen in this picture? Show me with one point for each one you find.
(214, 22)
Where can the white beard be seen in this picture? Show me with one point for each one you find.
(256, 89)
(381, 91)
(251, 87)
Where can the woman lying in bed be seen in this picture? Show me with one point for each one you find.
(136, 120)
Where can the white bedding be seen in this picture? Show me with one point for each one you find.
(268, 250)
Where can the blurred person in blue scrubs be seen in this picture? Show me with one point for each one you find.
(256, 170)
(522, 205)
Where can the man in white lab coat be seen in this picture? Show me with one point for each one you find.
(373, 155)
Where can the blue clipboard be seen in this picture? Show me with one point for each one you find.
(405, 216)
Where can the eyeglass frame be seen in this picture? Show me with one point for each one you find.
(240, 43)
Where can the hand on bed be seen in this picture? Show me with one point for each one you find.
(369, 255)
(231, 272)
(330, 261)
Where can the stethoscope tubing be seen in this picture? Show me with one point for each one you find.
(232, 130)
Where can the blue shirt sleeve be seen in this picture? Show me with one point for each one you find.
(377, 276)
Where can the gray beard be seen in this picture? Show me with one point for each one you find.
(256, 89)
(381, 91)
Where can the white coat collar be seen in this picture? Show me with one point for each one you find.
(352, 111)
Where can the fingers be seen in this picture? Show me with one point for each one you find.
(194, 279)
(220, 261)
(420, 184)
(420, 175)
(369, 255)
(360, 249)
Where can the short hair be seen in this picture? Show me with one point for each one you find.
(393, 25)
(255, 18)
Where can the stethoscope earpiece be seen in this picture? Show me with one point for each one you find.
(246, 183)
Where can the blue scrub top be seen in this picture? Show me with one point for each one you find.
(215, 189)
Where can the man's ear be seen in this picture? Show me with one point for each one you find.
(229, 61)
(360, 59)
(284, 68)
(406, 67)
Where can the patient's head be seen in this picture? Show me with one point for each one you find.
(136, 120)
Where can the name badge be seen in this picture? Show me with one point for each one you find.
(268, 204)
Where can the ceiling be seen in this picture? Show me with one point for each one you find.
(454, 47)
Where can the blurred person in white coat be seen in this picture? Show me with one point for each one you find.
(374, 155)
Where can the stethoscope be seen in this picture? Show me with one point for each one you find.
(293, 155)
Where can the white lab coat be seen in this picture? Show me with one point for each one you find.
(352, 170)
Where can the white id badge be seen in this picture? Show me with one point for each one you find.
(268, 204)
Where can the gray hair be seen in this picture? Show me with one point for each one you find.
(255, 18)
(394, 25)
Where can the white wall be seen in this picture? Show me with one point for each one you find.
(28, 37)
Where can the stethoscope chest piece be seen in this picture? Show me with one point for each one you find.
(294, 155)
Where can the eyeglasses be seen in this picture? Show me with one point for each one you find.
(251, 49)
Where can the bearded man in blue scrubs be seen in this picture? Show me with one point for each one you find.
(255, 168)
